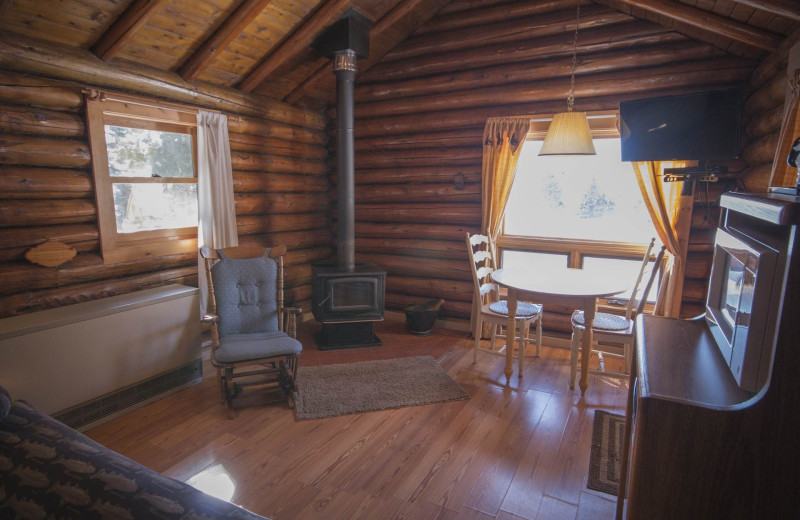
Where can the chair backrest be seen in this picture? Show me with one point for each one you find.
(482, 263)
(650, 280)
(245, 287)
(642, 268)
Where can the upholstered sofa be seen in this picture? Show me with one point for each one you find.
(49, 470)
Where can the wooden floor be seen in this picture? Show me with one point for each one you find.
(509, 452)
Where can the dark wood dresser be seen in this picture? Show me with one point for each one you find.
(698, 445)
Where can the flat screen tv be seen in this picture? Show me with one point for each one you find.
(703, 126)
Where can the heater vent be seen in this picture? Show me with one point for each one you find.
(131, 396)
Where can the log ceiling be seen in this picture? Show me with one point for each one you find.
(264, 46)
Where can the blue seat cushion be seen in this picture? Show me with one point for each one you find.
(247, 347)
(246, 294)
(524, 309)
(602, 321)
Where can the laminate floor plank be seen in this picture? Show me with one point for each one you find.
(510, 452)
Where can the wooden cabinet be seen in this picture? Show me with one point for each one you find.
(698, 446)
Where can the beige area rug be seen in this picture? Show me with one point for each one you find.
(330, 390)
(608, 431)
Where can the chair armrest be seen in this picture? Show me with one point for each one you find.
(297, 311)
(209, 318)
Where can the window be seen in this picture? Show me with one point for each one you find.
(144, 160)
(578, 211)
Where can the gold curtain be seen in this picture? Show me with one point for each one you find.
(782, 174)
(503, 138)
(671, 214)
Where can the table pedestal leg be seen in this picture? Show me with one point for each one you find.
(511, 334)
(586, 341)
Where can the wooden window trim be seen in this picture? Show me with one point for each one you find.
(135, 112)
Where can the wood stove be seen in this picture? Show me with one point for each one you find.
(347, 297)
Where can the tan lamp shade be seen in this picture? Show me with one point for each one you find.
(568, 134)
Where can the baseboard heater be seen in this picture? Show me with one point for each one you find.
(91, 361)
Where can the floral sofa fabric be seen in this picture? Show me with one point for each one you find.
(48, 470)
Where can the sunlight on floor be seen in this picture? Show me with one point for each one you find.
(215, 481)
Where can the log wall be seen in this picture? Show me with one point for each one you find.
(46, 193)
(420, 115)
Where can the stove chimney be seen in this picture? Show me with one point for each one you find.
(345, 41)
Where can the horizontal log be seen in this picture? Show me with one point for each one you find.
(449, 290)
(701, 241)
(18, 212)
(756, 178)
(276, 164)
(257, 224)
(417, 174)
(761, 150)
(28, 237)
(775, 62)
(450, 139)
(765, 122)
(274, 146)
(536, 70)
(292, 240)
(44, 151)
(695, 290)
(32, 301)
(255, 181)
(20, 277)
(417, 248)
(691, 310)
(29, 91)
(476, 117)
(279, 203)
(408, 230)
(264, 128)
(769, 96)
(417, 193)
(441, 269)
(300, 293)
(23, 54)
(298, 274)
(40, 121)
(509, 31)
(308, 255)
(698, 265)
(423, 157)
(632, 35)
(444, 213)
(44, 183)
(726, 69)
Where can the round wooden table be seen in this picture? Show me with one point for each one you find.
(576, 288)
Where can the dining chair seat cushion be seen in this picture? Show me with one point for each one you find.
(602, 321)
(245, 347)
(524, 309)
(246, 294)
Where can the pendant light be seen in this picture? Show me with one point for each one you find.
(569, 132)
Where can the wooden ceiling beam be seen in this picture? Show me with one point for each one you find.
(125, 27)
(300, 39)
(711, 22)
(387, 22)
(222, 37)
(784, 8)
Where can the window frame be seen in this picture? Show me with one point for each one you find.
(129, 111)
(603, 124)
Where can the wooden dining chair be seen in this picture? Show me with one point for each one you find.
(253, 335)
(489, 308)
(613, 334)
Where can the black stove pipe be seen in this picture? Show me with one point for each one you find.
(344, 66)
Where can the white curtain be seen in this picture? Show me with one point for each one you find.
(217, 215)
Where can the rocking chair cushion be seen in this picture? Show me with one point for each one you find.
(236, 348)
(245, 293)
(524, 309)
